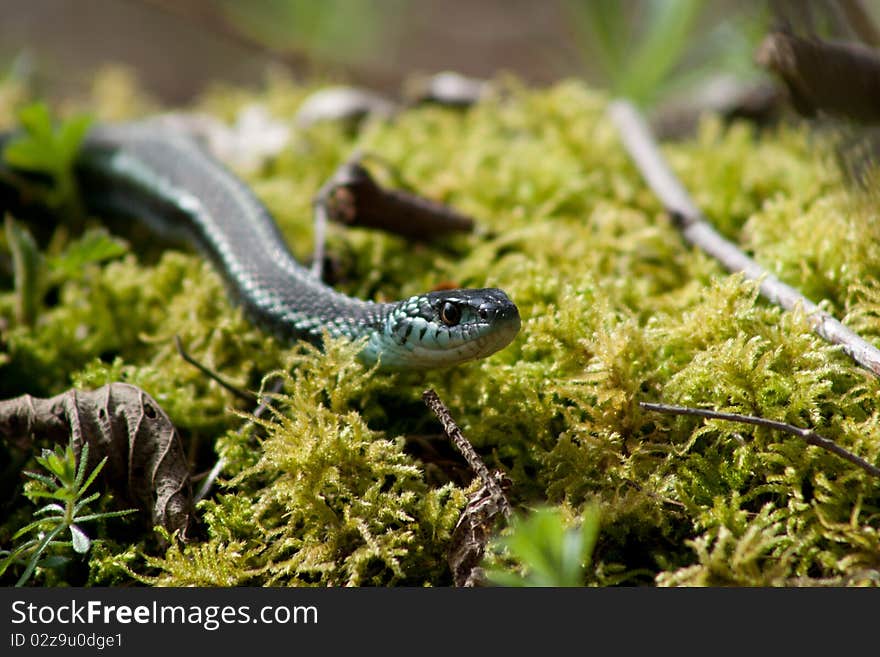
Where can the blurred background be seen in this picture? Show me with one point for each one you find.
(652, 49)
(175, 47)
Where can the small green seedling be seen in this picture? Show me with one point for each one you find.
(64, 487)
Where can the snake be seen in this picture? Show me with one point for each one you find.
(170, 182)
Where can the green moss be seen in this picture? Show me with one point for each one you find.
(617, 309)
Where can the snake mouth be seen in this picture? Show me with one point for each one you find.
(504, 328)
(496, 322)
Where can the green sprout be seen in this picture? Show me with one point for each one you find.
(44, 147)
(548, 551)
(35, 273)
(64, 486)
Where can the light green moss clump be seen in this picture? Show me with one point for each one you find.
(616, 309)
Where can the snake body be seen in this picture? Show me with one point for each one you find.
(167, 180)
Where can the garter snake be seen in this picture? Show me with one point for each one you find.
(167, 180)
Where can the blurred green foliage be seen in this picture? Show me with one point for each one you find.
(329, 30)
(44, 147)
(549, 551)
(645, 50)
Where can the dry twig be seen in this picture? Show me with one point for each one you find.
(698, 231)
(432, 401)
(475, 525)
(472, 533)
(809, 436)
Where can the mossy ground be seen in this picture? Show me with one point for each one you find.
(616, 309)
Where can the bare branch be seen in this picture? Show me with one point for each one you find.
(809, 436)
(353, 197)
(698, 231)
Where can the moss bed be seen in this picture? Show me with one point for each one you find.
(616, 309)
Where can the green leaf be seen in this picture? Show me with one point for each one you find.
(669, 25)
(550, 552)
(106, 514)
(92, 476)
(36, 524)
(27, 264)
(29, 156)
(35, 557)
(535, 539)
(70, 136)
(43, 479)
(80, 466)
(43, 148)
(590, 523)
(81, 542)
(84, 502)
(94, 246)
(506, 578)
(36, 120)
(11, 556)
(53, 462)
(57, 508)
(59, 494)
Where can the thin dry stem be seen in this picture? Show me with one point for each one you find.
(809, 436)
(643, 149)
(432, 401)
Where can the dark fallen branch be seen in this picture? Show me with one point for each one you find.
(698, 231)
(840, 79)
(146, 464)
(352, 197)
(809, 436)
(477, 521)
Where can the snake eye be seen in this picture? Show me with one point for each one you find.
(450, 314)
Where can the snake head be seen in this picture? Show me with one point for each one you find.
(439, 329)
